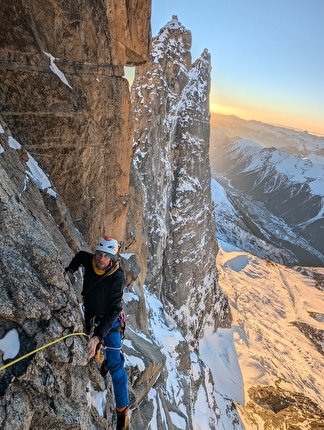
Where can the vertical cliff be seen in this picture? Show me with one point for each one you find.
(64, 97)
(171, 153)
(65, 104)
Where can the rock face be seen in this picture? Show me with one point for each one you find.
(66, 110)
(36, 302)
(171, 143)
(279, 409)
(57, 387)
(64, 98)
(64, 102)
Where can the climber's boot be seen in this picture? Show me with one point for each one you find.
(122, 420)
(104, 368)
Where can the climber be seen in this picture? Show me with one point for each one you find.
(102, 299)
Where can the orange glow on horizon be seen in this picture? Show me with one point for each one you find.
(274, 118)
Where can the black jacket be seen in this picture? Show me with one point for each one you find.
(102, 294)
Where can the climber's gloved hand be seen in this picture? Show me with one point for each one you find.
(69, 277)
(92, 346)
(99, 355)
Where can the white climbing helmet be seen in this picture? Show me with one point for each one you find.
(108, 245)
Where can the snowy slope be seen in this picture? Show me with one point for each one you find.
(277, 334)
(270, 304)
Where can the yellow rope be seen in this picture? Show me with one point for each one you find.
(42, 347)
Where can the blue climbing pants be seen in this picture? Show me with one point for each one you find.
(115, 363)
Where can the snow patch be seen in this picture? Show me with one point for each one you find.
(38, 176)
(13, 144)
(10, 344)
(219, 353)
(56, 70)
(97, 399)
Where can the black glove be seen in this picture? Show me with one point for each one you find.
(69, 276)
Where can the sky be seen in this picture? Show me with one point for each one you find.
(267, 56)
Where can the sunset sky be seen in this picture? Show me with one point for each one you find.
(267, 56)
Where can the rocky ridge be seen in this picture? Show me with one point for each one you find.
(172, 161)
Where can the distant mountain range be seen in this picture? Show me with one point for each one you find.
(275, 178)
(267, 135)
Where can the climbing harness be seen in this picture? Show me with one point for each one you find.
(95, 321)
(41, 348)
